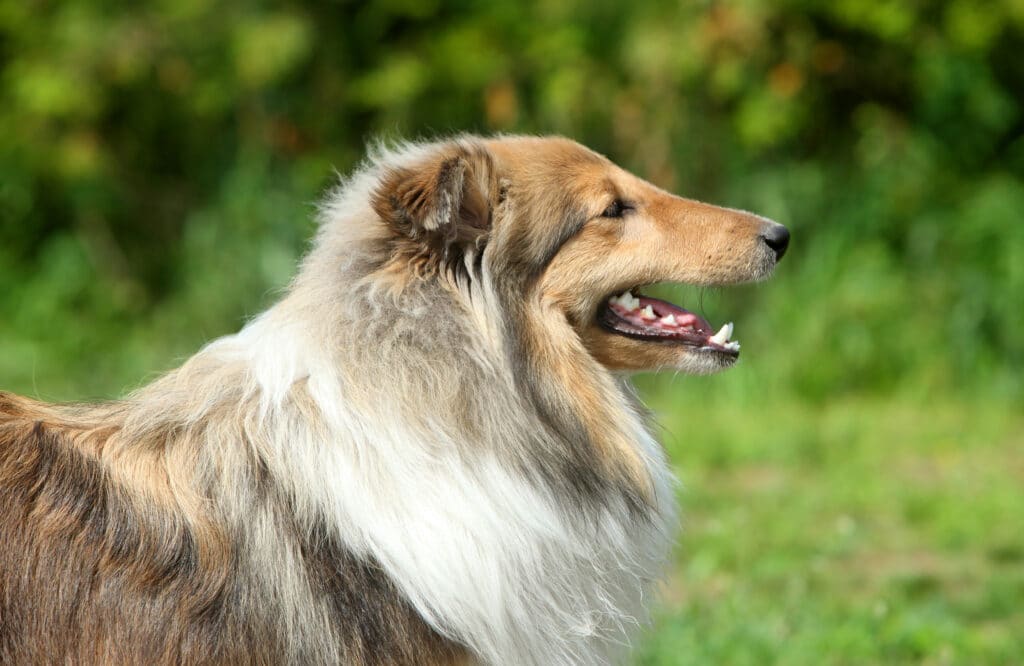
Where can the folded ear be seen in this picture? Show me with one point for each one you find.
(445, 197)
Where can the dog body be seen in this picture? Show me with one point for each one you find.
(426, 453)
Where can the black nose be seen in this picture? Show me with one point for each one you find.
(777, 238)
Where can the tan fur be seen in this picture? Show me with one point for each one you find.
(154, 479)
(668, 239)
(447, 314)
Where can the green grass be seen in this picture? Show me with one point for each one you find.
(858, 532)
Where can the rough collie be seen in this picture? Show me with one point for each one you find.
(426, 453)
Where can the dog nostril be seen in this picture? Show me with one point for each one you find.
(777, 238)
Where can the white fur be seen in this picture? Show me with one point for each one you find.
(483, 555)
(487, 557)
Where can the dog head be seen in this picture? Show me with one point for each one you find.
(572, 238)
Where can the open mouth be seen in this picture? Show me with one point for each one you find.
(645, 318)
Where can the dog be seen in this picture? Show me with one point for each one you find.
(427, 452)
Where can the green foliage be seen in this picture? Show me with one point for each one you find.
(887, 135)
(861, 532)
(159, 161)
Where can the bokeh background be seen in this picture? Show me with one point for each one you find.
(853, 490)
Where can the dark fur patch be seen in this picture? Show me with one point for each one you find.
(438, 209)
(564, 456)
(375, 624)
(86, 576)
(92, 572)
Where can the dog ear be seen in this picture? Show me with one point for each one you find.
(446, 197)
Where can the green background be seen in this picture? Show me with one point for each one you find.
(852, 490)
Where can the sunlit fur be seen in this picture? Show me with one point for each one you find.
(419, 455)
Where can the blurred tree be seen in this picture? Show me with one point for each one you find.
(154, 158)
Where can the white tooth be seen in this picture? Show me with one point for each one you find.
(648, 313)
(669, 319)
(723, 334)
(614, 300)
(732, 346)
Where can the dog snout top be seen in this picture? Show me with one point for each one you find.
(776, 237)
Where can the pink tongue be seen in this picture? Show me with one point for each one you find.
(683, 318)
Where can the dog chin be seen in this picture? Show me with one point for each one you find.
(704, 362)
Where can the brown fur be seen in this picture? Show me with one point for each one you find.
(162, 530)
(95, 571)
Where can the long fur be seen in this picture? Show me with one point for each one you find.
(383, 468)
(425, 453)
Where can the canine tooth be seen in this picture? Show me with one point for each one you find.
(723, 334)
(648, 313)
(669, 319)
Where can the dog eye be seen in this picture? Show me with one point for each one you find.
(616, 209)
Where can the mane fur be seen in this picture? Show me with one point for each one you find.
(382, 463)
